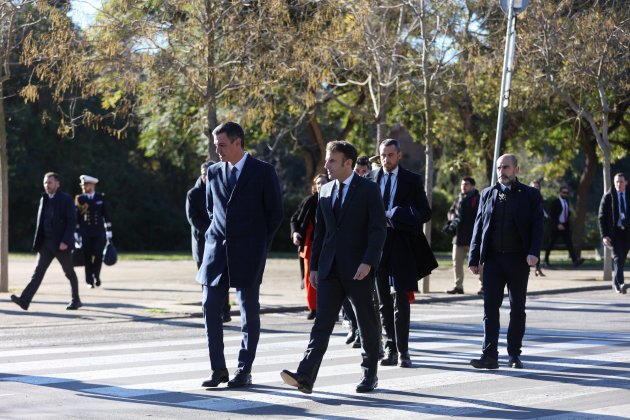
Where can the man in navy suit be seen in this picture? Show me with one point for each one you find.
(244, 204)
(506, 240)
(407, 256)
(615, 228)
(347, 245)
(54, 238)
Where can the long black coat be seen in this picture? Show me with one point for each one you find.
(63, 223)
(407, 256)
(303, 216)
(465, 210)
(197, 216)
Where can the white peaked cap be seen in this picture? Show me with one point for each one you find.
(86, 179)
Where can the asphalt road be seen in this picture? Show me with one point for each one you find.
(576, 355)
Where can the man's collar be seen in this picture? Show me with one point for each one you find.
(395, 171)
(346, 181)
(239, 165)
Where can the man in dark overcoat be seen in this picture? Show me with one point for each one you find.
(244, 204)
(614, 226)
(54, 238)
(407, 256)
(506, 240)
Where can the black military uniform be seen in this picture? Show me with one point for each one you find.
(93, 224)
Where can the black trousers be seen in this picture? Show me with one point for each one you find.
(395, 313)
(331, 293)
(93, 247)
(226, 305)
(499, 270)
(621, 245)
(48, 252)
(566, 236)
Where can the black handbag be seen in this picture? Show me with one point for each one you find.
(110, 255)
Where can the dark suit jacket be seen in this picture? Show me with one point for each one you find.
(91, 214)
(407, 256)
(529, 218)
(555, 210)
(242, 224)
(609, 213)
(64, 220)
(197, 215)
(356, 238)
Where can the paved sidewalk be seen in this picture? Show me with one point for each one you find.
(165, 289)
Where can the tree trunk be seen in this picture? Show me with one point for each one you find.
(4, 200)
(584, 185)
(211, 94)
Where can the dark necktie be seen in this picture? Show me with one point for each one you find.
(622, 202)
(337, 206)
(387, 190)
(232, 179)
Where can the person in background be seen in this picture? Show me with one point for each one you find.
(560, 220)
(199, 220)
(536, 184)
(54, 238)
(302, 226)
(614, 227)
(362, 167)
(462, 215)
(95, 227)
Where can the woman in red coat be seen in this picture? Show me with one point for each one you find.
(302, 225)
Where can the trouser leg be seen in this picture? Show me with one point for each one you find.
(493, 286)
(360, 295)
(44, 258)
(65, 259)
(402, 310)
(517, 292)
(248, 301)
(386, 309)
(212, 304)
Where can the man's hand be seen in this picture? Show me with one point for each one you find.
(362, 271)
(63, 246)
(532, 260)
(108, 234)
(474, 269)
(297, 239)
(606, 241)
(313, 279)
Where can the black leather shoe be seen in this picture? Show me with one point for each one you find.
(515, 362)
(405, 360)
(455, 291)
(90, 285)
(97, 281)
(218, 377)
(352, 335)
(368, 383)
(485, 363)
(578, 262)
(390, 359)
(619, 288)
(311, 315)
(74, 305)
(357, 343)
(241, 379)
(298, 380)
(225, 318)
(20, 302)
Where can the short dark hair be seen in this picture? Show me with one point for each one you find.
(621, 174)
(314, 183)
(207, 164)
(232, 130)
(363, 161)
(563, 187)
(470, 180)
(390, 142)
(52, 175)
(345, 148)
